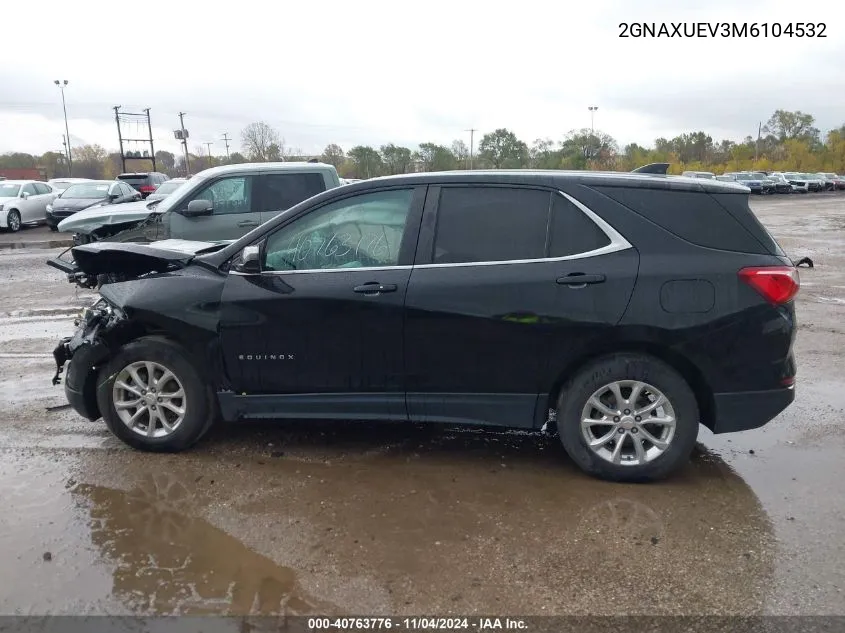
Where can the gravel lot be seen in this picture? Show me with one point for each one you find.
(348, 518)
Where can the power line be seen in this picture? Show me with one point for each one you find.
(472, 132)
(226, 140)
(208, 144)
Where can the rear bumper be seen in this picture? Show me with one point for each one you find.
(746, 410)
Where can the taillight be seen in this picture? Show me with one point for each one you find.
(777, 284)
(146, 188)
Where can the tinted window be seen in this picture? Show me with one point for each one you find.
(42, 188)
(696, 217)
(485, 224)
(30, 189)
(282, 191)
(357, 232)
(572, 231)
(228, 195)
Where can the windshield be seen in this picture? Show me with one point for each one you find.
(9, 190)
(91, 191)
(744, 177)
(175, 196)
(759, 176)
(794, 176)
(60, 185)
(168, 187)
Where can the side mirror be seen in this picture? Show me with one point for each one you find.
(25, 195)
(250, 260)
(113, 196)
(197, 208)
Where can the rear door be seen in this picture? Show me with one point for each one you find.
(234, 210)
(280, 190)
(508, 282)
(29, 205)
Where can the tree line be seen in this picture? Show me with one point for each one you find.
(788, 141)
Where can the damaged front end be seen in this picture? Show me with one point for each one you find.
(99, 330)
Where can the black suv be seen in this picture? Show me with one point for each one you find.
(621, 309)
(145, 182)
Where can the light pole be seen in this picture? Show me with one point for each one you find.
(592, 110)
(61, 86)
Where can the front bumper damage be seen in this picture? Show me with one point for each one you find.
(93, 342)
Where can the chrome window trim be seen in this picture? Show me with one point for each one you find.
(617, 243)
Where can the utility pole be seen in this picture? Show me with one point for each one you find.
(185, 143)
(226, 140)
(757, 144)
(64, 149)
(472, 132)
(208, 144)
(592, 110)
(61, 86)
(150, 128)
(119, 137)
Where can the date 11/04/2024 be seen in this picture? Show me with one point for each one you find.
(418, 623)
(722, 29)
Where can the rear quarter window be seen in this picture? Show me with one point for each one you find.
(697, 216)
(572, 232)
(282, 191)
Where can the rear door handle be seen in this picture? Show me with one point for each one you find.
(579, 280)
(374, 288)
(247, 223)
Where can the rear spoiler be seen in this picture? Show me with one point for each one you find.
(652, 168)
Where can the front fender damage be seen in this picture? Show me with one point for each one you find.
(101, 330)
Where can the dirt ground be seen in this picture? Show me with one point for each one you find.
(333, 518)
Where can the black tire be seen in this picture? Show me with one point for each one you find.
(13, 221)
(54, 229)
(200, 411)
(628, 366)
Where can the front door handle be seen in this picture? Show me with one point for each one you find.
(579, 280)
(374, 288)
(247, 223)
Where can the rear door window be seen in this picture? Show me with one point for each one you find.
(490, 224)
(285, 190)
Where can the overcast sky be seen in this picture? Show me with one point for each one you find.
(373, 72)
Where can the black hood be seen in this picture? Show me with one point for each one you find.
(76, 204)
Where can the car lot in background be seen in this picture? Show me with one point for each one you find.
(780, 183)
(709, 175)
(144, 182)
(165, 189)
(798, 181)
(24, 202)
(83, 195)
(752, 181)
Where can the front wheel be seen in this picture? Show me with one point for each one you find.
(152, 397)
(13, 221)
(628, 417)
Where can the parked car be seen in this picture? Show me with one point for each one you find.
(83, 195)
(781, 184)
(613, 318)
(165, 189)
(767, 183)
(838, 181)
(23, 202)
(221, 203)
(814, 183)
(145, 182)
(699, 174)
(798, 181)
(751, 181)
(828, 184)
(60, 184)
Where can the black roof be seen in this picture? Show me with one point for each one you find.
(552, 178)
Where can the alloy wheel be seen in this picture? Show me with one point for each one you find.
(149, 399)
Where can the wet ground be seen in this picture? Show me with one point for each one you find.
(349, 518)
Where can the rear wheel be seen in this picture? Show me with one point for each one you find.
(152, 397)
(13, 221)
(628, 417)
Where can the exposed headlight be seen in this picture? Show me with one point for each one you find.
(49, 207)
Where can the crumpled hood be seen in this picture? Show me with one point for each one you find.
(131, 258)
(90, 220)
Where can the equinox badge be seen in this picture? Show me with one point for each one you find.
(265, 357)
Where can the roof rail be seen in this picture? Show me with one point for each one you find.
(652, 168)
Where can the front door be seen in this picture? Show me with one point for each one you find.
(234, 211)
(319, 331)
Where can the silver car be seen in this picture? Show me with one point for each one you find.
(24, 202)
